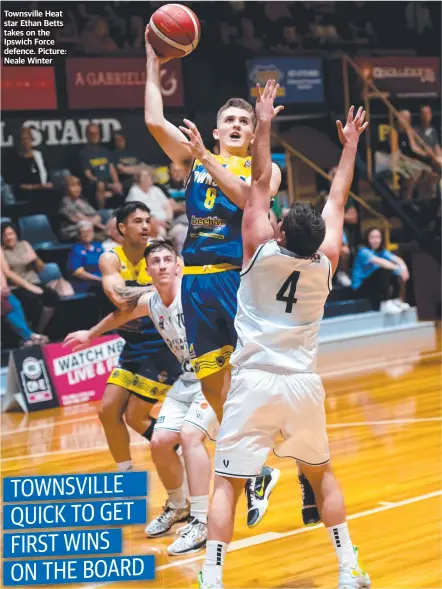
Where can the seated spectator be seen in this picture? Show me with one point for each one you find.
(99, 170)
(12, 312)
(426, 131)
(412, 162)
(83, 258)
(379, 275)
(96, 37)
(143, 190)
(74, 209)
(114, 237)
(83, 264)
(26, 171)
(21, 265)
(125, 161)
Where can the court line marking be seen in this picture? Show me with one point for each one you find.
(143, 442)
(328, 374)
(271, 536)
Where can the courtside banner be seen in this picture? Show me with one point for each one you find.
(79, 377)
(104, 82)
(300, 78)
(403, 76)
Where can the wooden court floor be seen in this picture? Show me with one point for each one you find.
(385, 438)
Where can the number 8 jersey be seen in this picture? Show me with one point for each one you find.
(214, 234)
(281, 302)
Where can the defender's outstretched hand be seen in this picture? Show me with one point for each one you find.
(195, 142)
(354, 127)
(265, 111)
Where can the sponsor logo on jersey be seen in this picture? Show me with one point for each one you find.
(316, 258)
(161, 419)
(248, 164)
(161, 322)
(197, 367)
(220, 360)
(207, 222)
(226, 463)
(192, 351)
(204, 405)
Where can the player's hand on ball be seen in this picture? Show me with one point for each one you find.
(152, 57)
(354, 127)
(265, 111)
(195, 142)
(79, 340)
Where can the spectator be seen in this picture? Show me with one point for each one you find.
(74, 209)
(427, 132)
(96, 36)
(13, 314)
(413, 163)
(99, 170)
(379, 275)
(143, 190)
(26, 171)
(125, 161)
(83, 259)
(114, 237)
(176, 187)
(178, 232)
(21, 265)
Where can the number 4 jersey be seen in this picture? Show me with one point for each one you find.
(281, 302)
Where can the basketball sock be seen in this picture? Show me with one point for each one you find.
(177, 498)
(124, 466)
(214, 562)
(149, 432)
(199, 508)
(340, 538)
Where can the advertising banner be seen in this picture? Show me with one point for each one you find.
(28, 88)
(403, 77)
(300, 78)
(81, 376)
(104, 82)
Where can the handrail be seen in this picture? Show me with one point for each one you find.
(289, 148)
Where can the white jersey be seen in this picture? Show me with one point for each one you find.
(169, 322)
(281, 302)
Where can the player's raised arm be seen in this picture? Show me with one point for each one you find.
(167, 135)
(256, 226)
(333, 212)
(83, 338)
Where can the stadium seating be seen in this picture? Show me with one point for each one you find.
(37, 230)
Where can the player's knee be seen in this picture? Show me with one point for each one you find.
(162, 444)
(138, 423)
(190, 436)
(109, 414)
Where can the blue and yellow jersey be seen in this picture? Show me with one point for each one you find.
(214, 234)
(141, 335)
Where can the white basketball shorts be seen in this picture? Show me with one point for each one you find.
(187, 404)
(259, 406)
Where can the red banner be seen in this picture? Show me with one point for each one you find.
(28, 88)
(118, 82)
(403, 77)
(79, 377)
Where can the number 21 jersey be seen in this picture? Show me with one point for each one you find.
(281, 302)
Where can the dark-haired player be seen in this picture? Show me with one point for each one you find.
(285, 282)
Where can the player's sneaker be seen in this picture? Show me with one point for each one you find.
(203, 585)
(310, 513)
(191, 538)
(258, 492)
(353, 578)
(162, 524)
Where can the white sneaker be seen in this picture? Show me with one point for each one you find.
(192, 538)
(258, 492)
(203, 585)
(353, 578)
(343, 279)
(390, 308)
(401, 304)
(162, 524)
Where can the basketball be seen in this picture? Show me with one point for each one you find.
(174, 30)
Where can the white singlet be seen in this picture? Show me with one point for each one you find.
(280, 305)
